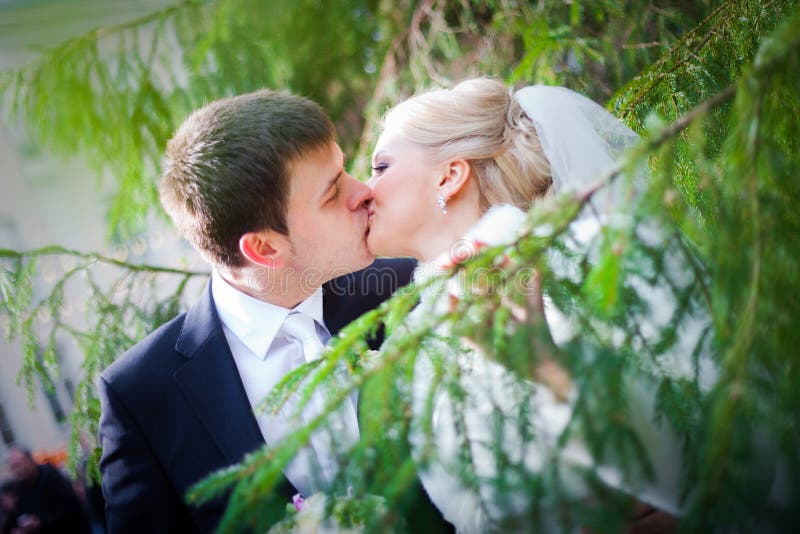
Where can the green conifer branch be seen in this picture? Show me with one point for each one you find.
(743, 272)
(95, 257)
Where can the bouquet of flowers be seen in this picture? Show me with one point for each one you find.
(342, 515)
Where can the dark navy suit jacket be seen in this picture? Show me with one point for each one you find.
(174, 408)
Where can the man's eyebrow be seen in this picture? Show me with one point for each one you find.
(331, 183)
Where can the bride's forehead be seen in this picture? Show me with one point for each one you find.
(391, 140)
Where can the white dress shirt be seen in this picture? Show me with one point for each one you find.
(262, 353)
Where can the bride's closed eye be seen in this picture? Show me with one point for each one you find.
(378, 168)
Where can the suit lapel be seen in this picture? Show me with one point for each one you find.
(211, 383)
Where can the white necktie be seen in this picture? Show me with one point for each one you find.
(343, 423)
(302, 328)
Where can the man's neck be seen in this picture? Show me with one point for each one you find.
(268, 286)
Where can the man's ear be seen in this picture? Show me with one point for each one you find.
(262, 248)
(456, 175)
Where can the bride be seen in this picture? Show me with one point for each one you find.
(459, 168)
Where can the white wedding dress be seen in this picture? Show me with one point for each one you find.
(507, 429)
(491, 402)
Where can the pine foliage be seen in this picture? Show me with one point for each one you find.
(712, 88)
(122, 303)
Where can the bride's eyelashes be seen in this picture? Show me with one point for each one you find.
(378, 168)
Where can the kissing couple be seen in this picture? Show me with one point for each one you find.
(256, 183)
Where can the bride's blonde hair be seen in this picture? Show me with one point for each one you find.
(479, 120)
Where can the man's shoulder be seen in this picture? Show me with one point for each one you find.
(383, 277)
(349, 296)
(403, 267)
(154, 352)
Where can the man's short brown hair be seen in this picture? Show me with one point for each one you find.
(226, 169)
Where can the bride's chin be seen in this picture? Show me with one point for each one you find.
(374, 249)
(377, 246)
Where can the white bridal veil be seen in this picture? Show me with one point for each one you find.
(581, 140)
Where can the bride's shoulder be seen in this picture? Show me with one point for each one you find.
(499, 225)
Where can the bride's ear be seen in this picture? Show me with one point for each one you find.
(455, 177)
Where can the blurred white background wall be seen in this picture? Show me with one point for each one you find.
(47, 199)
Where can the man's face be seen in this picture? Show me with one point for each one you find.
(327, 218)
(21, 467)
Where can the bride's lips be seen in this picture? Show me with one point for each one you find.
(370, 213)
(367, 223)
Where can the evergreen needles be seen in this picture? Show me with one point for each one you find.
(690, 296)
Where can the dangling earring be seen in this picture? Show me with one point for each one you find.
(442, 204)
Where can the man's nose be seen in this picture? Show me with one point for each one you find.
(359, 194)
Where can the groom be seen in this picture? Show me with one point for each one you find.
(256, 183)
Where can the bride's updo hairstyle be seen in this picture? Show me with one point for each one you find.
(479, 121)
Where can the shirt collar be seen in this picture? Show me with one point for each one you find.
(256, 322)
